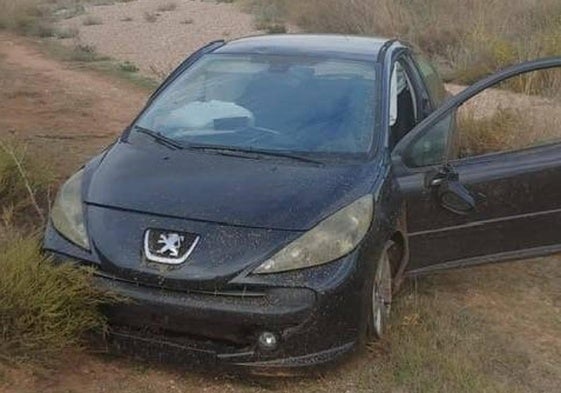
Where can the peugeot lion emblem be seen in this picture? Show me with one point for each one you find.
(171, 244)
(168, 247)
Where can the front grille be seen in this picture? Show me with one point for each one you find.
(191, 341)
(234, 292)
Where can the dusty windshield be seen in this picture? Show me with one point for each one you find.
(269, 103)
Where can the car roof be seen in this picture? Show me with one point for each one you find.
(325, 45)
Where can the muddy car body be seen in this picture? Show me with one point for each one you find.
(285, 257)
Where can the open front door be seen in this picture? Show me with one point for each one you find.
(481, 176)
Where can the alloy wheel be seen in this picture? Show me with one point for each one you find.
(381, 295)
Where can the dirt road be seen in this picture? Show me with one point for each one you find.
(63, 112)
(493, 328)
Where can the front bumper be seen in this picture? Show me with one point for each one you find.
(315, 313)
(313, 327)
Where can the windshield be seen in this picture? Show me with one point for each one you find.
(269, 103)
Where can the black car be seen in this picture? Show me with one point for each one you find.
(264, 205)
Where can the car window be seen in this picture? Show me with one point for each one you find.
(403, 104)
(262, 102)
(520, 113)
(431, 149)
(432, 79)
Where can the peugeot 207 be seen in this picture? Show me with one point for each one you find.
(267, 201)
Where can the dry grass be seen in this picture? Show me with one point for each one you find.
(67, 33)
(92, 21)
(489, 134)
(499, 119)
(505, 130)
(150, 17)
(465, 331)
(439, 346)
(268, 15)
(30, 17)
(25, 183)
(467, 38)
(167, 7)
(540, 83)
(84, 53)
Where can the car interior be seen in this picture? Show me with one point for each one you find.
(403, 106)
(308, 106)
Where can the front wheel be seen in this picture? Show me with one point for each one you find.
(380, 298)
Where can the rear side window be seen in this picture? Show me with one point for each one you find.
(432, 80)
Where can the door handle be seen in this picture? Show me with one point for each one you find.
(436, 181)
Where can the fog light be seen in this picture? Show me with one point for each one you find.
(268, 341)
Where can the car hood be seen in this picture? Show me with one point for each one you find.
(259, 193)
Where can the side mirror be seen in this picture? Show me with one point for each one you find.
(453, 196)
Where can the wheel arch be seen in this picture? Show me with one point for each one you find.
(398, 249)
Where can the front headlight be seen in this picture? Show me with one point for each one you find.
(67, 214)
(331, 239)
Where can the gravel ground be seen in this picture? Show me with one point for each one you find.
(157, 46)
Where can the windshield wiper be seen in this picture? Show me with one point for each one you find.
(160, 138)
(254, 152)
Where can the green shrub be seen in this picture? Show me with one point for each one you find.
(84, 53)
(44, 308)
(127, 66)
(67, 11)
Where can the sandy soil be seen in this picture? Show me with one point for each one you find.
(156, 47)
